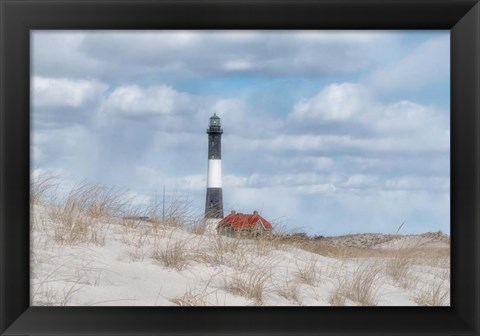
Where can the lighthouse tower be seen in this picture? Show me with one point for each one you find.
(214, 202)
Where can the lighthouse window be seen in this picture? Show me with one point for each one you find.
(213, 143)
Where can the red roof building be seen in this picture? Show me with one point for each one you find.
(247, 223)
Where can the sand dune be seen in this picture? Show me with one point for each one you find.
(115, 262)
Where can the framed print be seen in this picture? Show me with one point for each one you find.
(285, 139)
(280, 167)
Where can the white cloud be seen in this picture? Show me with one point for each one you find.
(192, 182)
(297, 163)
(192, 54)
(285, 180)
(232, 181)
(276, 204)
(238, 65)
(354, 103)
(180, 111)
(314, 183)
(73, 149)
(232, 110)
(336, 102)
(348, 145)
(133, 100)
(326, 209)
(428, 63)
(419, 183)
(64, 92)
(59, 54)
(396, 127)
(137, 199)
(406, 115)
(38, 156)
(360, 181)
(342, 155)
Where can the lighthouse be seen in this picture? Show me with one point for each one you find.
(214, 201)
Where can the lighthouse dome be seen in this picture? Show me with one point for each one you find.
(214, 120)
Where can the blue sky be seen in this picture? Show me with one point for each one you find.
(328, 132)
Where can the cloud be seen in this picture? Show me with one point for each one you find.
(327, 145)
(162, 108)
(71, 148)
(304, 183)
(239, 65)
(359, 181)
(190, 54)
(290, 180)
(64, 102)
(64, 92)
(132, 100)
(425, 65)
(130, 109)
(361, 122)
(356, 105)
(336, 102)
(324, 209)
(298, 163)
(434, 183)
(59, 54)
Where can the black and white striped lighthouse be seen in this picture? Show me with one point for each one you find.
(214, 202)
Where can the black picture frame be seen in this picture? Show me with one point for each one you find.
(18, 17)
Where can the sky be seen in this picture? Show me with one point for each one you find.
(326, 132)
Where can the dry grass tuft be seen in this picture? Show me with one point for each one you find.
(101, 202)
(398, 266)
(77, 216)
(72, 225)
(139, 241)
(290, 291)
(250, 285)
(178, 212)
(433, 257)
(337, 297)
(54, 297)
(325, 248)
(41, 185)
(45, 288)
(190, 299)
(132, 221)
(361, 288)
(308, 272)
(220, 250)
(172, 255)
(436, 294)
(199, 227)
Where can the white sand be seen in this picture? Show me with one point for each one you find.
(218, 271)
